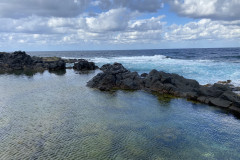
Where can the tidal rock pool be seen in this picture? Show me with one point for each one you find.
(55, 116)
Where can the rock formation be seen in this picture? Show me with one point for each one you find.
(83, 65)
(21, 61)
(117, 77)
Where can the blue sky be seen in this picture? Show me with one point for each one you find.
(118, 24)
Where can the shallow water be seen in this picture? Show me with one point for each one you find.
(55, 116)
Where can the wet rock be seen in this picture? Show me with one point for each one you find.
(170, 83)
(117, 77)
(144, 75)
(83, 65)
(220, 102)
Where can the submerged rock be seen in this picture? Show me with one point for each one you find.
(83, 65)
(117, 77)
(21, 61)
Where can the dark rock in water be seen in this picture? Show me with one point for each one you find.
(114, 69)
(117, 77)
(15, 61)
(220, 102)
(171, 84)
(144, 75)
(21, 61)
(83, 65)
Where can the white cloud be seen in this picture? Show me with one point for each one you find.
(113, 20)
(212, 9)
(203, 29)
(46, 8)
(122, 23)
(134, 5)
(70, 8)
(153, 23)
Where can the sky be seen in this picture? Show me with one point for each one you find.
(57, 25)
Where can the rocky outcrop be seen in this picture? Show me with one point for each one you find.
(21, 61)
(117, 77)
(84, 65)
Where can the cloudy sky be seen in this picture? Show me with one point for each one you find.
(118, 24)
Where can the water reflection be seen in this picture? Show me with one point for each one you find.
(31, 73)
(59, 72)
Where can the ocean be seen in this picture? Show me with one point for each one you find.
(207, 66)
(55, 116)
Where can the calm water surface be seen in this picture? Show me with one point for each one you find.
(55, 116)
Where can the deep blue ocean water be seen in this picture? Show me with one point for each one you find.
(205, 65)
(55, 116)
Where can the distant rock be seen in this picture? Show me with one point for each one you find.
(84, 65)
(21, 61)
(115, 76)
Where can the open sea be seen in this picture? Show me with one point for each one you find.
(55, 116)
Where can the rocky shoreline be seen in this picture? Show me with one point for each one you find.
(19, 60)
(117, 77)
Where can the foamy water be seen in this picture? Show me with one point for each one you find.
(204, 71)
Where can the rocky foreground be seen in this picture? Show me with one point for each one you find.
(117, 77)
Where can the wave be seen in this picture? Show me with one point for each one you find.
(204, 71)
(140, 59)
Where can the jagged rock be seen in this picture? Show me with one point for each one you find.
(170, 83)
(83, 65)
(117, 77)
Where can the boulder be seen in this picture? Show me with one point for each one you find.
(115, 77)
(83, 65)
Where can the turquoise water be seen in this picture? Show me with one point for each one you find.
(55, 116)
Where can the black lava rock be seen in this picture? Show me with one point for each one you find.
(83, 65)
